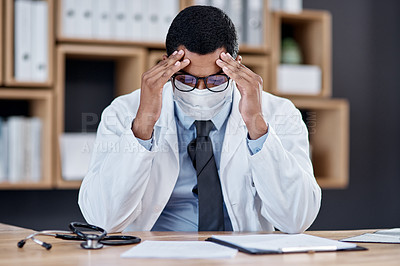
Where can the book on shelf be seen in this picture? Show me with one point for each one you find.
(290, 6)
(20, 142)
(22, 40)
(31, 40)
(247, 16)
(39, 40)
(68, 17)
(136, 20)
(84, 19)
(254, 23)
(3, 150)
(119, 20)
(101, 20)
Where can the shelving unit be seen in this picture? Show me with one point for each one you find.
(129, 66)
(40, 103)
(328, 125)
(328, 119)
(9, 79)
(312, 31)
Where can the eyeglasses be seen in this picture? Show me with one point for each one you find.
(215, 83)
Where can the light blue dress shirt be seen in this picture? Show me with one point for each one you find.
(181, 211)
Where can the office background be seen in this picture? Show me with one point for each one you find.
(366, 66)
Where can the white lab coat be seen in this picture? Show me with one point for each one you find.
(127, 186)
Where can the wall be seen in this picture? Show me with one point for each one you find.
(366, 66)
(366, 60)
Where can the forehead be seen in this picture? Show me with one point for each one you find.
(202, 65)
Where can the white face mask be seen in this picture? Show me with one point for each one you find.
(202, 104)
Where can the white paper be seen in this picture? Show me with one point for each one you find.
(179, 250)
(382, 236)
(76, 152)
(286, 243)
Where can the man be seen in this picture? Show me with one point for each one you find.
(200, 146)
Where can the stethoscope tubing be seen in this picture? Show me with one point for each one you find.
(77, 235)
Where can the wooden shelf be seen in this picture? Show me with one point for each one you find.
(151, 45)
(9, 48)
(129, 65)
(328, 125)
(312, 31)
(40, 105)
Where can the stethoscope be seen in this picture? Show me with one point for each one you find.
(91, 241)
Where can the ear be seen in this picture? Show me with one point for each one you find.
(164, 57)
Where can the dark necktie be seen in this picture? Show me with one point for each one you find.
(211, 214)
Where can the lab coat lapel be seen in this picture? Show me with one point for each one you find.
(235, 132)
(165, 127)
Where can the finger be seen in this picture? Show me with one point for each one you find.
(226, 57)
(239, 59)
(165, 75)
(236, 66)
(167, 62)
(174, 57)
(236, 72)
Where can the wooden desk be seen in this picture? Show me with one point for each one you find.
(69, 252)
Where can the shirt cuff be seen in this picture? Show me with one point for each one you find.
(255, 145)
(147, 144)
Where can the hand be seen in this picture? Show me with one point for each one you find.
(153, 82)
(250, 87)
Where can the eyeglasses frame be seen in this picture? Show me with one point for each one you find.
(197, 80)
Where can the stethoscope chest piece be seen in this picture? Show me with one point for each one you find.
(92, 242)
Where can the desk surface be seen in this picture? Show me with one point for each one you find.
(69, 252)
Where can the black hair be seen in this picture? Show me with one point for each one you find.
(202, 30)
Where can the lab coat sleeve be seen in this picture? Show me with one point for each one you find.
(111, 192)
(283, 174)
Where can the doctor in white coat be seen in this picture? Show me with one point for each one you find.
(140, 177)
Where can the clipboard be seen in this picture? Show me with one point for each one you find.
(285, 244)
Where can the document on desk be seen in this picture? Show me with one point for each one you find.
(390, 236)
(281, 243)
(179, 250)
